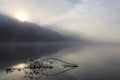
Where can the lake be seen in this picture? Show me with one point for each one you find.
(95, 62)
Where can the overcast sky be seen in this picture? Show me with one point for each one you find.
(95, 19)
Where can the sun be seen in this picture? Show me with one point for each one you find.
(22, 17)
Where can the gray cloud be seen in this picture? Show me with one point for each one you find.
(94, 19)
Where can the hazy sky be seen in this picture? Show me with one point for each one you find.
(96, 19)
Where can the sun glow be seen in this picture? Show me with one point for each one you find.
(22, 17)
(22, 65)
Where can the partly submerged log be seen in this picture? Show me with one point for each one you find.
(35, 68)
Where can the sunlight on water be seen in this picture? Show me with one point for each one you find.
(95, 63)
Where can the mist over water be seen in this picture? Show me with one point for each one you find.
(11, 53)
(82, 32)
(96, 62)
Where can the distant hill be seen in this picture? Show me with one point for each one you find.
(12, 30)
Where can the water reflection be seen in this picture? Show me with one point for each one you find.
(96, 62)
(14, 53)
(36, 68)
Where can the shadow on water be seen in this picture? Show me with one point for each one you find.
(11, 53)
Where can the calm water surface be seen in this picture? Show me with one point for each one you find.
(96, 62)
